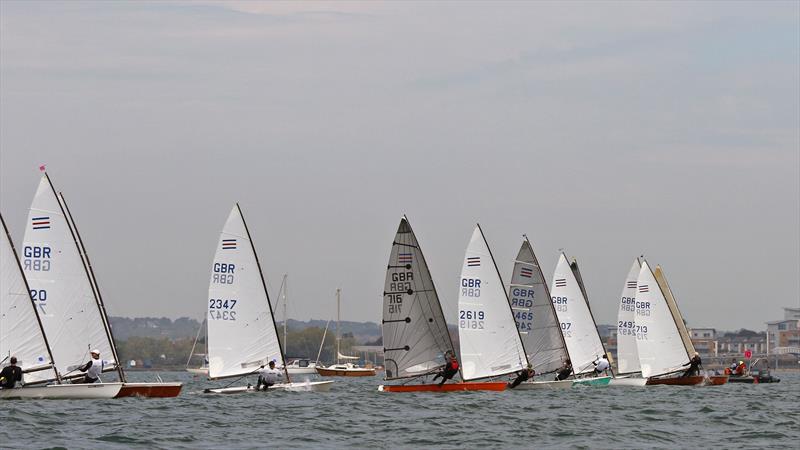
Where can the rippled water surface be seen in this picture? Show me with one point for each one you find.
(354, 414)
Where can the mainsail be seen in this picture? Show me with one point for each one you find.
(20, 330)
(627, 354)
(673, 307)
(533, 309)
(415, 335)
(60, 285)
(661, 349)
(488, 338)
(242, 335)
(577, 324)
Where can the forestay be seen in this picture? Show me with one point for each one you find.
(661, 279)
(661, 350)
(577, 325)
(241, 328)
(60, 285)
(627, 354)
(415, 335)
(534, 313)
(489, 342)
(20, 332)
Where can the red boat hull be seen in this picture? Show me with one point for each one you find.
(162, 390)
(677, 381)
(452, 387)
(716, 380)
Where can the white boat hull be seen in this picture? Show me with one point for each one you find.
(302, 370)
(531, 385)
(635, 382)
(63, 391)
(311, 386)
(197, 371)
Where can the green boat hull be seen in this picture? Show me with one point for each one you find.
(599, 381)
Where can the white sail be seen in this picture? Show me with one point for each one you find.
(627, 354)
(60, 285)
(661, 279)
(488, 338)
(533, 310)
(661, 350)
(241, 327)
(577, 325)
(20, 332)
(415, 335)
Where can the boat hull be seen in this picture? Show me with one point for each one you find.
(311, 386)
(754, 379)
(677, 381)
(198, 371)
(447, 387)
(160, 390)
(535, 385)
(626, 382)
(717, 380)
(599, 381)
(360, 372)
(301, 370)
(64, 391)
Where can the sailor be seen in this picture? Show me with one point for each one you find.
(601, 365)
(565, 371)
(450, 368)
(523, 375)
(740, 369)
(694, 365)
(10, 374)
(93, 368)
(268, 376)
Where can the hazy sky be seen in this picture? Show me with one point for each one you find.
(606, 129)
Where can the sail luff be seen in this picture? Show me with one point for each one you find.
(266, 293)
(18, 269)
(93, 281)
(627, 353)
(579, 277)
(661, 279)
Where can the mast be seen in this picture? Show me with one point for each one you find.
(33, 305)
(285, 315)
(264, 284)
(338, 324)
(578, 277)
(196, 338)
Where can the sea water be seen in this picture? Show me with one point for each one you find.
(355, 414)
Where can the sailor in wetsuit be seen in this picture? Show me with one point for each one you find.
(267, 376)
(565, 371)
(694, 365)
(450, 368)
(523, 375)
(93, 369)
(10, 374)
(601, 365)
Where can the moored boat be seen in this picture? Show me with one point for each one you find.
(343, 369)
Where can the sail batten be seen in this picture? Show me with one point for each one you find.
(577, 324)
(415, 334)
(488, 338)
(242, 335)
(529, 298)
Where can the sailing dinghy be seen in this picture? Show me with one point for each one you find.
(68, 299)
(415, 334)
(577, 323)
(663, 341)
(629, 372)
(21, 336)
(242, 335)
(535, 316)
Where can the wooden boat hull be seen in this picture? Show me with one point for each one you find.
(535, 385)
(360, 372)
(677, 381)
(447, 387)
(717, 380)
(63, 391)
(311, 386)
(598, 381)
(628, 382)
(161, 390)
